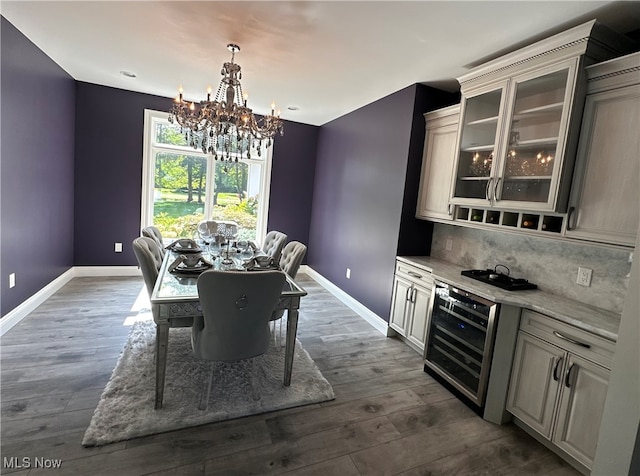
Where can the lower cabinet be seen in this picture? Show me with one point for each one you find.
(559, 384)
(410, 303)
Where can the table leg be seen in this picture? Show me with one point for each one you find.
(162, 343)
(292, 330)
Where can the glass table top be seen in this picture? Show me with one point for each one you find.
(175, 287)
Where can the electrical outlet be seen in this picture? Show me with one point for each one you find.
(118, 247)
(449, 244)
(584, 276)
(12, 280)
(348, 273)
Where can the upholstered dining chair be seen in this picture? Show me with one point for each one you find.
(155, 234)
(236, 307)
(273, 244)
(290, 261)
(149, 256)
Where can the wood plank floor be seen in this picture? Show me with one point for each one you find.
(389, 417)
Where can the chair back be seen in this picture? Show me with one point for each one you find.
(236, 308)
(149, 258)
(292, 256)
(273, 244)
(155, 234)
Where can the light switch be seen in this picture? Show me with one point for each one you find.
(118, 248)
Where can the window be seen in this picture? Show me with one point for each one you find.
(181, 185)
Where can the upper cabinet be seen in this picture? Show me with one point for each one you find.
(437, 164)
(605, 194)
(520, 118)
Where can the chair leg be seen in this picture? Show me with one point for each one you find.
(204, 401)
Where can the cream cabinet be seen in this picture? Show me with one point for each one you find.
(437, 164)
(519, 123)
(559, 384)
(410, 302)
(606, 190)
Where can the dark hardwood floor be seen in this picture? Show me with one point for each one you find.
(389, 417)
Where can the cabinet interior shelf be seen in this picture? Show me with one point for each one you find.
(540, 110)
(542, 141)
(486, 120)
(528, 177)
(478, 148)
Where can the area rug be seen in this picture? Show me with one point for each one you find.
(126, 407)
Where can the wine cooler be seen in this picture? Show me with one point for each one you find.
(460, 335)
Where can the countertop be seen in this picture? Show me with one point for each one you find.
(589, 318)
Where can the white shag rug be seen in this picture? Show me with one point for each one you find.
(126, 407)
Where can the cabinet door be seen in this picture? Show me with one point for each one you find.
(534, 383)
(535, 138)
(605, 193)
(479, 135)
(584, 389)
(437, 173)
(438, 162)
(398, 320)
(420, 298)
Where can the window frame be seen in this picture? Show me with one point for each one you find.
(149, 150)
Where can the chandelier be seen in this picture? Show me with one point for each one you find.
(225, 126)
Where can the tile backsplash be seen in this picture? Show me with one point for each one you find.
(551, 264)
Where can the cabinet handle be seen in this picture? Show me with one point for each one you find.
(406, 297)
(556, 368)
(415, 275)
(413, 295)
(569, 216)
(567, 379)
(495, 189)
(569, 339)
(449, 209)
(486, 190)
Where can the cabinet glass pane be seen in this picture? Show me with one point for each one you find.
(477, 144)
(533, 137)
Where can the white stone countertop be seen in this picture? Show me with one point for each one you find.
(589, 318)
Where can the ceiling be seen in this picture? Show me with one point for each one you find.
(326, 58)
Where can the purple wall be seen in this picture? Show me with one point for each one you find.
(36, 213)
(364, 160)
(108, 172)
(292, 177)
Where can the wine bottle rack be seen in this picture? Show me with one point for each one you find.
(544, 223)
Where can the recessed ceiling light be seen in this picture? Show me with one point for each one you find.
(128, 74)
(293, 108)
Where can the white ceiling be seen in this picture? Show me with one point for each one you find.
(326, 57)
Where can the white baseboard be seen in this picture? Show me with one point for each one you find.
(87, 271)
(26, 307)
(367, 314)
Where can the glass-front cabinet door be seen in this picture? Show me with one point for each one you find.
(530, 164)
(478, 144)
(512, 140)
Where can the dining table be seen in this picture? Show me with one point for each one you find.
(175, 303)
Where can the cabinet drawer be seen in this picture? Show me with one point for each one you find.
(577, 341)
(414, 274)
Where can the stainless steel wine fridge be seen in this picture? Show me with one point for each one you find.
(460, 337)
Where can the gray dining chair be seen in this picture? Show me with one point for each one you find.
(149, 256)
(290, 261)
(273, 244)
(155, 234)
(236, 307)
